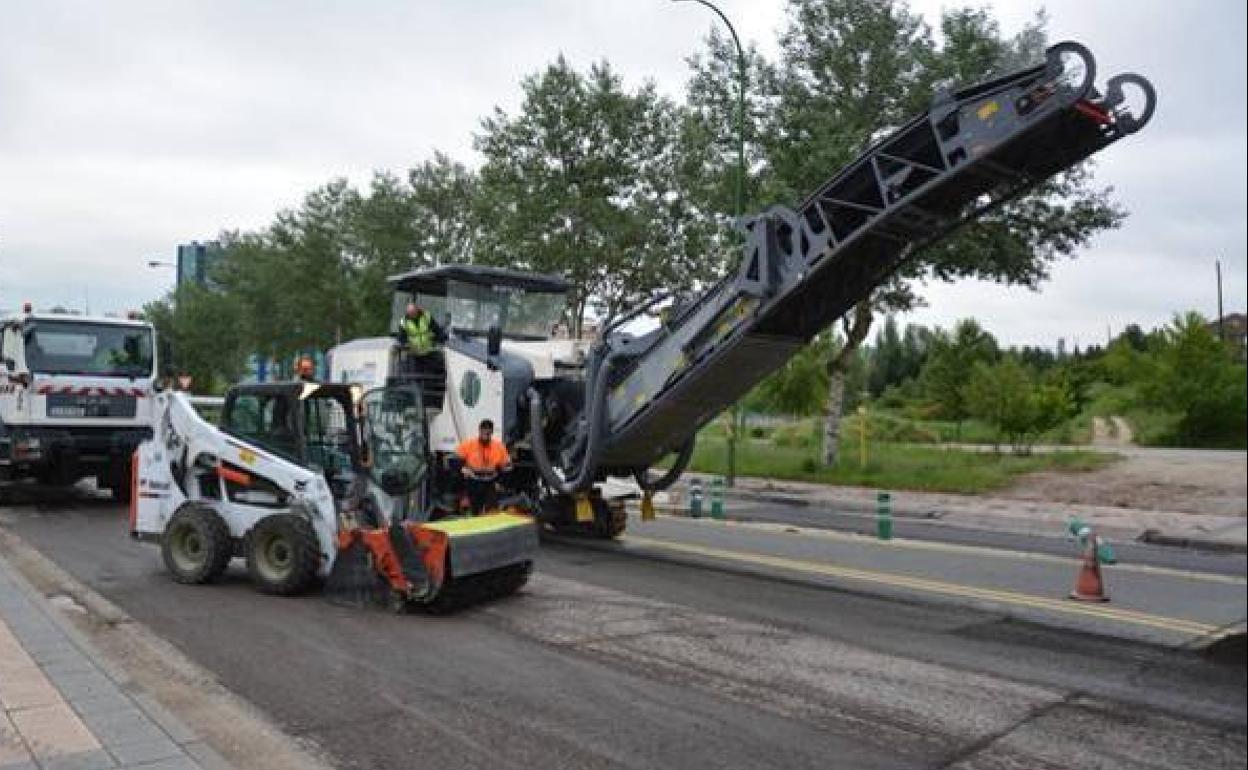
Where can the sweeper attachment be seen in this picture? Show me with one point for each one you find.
(314, 481)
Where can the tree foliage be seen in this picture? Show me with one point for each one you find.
(1196, 377)
(197, 331)
(950, 365)
(583, 182)
(1007, 396)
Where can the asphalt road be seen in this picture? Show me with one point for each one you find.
(641, 656)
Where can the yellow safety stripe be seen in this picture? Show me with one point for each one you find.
(478, 525)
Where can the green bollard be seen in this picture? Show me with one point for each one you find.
(884, 516)
(717, 498)
(695, 498)
(1105, 552)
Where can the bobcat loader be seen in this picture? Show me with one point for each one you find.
(312, 482)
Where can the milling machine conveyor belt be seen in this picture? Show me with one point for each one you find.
(804, 268)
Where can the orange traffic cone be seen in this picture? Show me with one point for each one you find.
(1089, 586)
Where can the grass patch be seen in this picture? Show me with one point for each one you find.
(892, 466)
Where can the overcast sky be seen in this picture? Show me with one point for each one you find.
(129, 127)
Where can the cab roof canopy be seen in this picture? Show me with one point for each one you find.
(435, 280)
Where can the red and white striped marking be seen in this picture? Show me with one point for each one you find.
(44, 389)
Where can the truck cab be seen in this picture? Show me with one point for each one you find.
(75, 397)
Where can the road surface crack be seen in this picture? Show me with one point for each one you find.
(979, 745)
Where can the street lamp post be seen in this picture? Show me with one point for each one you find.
(735, 414)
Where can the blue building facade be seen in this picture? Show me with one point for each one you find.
(195, 261)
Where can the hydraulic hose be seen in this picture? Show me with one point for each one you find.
(594, 408)
(683, 456)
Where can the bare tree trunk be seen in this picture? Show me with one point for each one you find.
(832, 417)
(856, 329)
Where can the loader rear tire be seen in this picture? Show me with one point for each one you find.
(282, 554)
(196, 545)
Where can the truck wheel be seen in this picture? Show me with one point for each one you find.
(196, 545)
(282, 554)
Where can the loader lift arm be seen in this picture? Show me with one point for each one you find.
(973, 150)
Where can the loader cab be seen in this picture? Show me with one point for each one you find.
(310, 423)
(336, 429)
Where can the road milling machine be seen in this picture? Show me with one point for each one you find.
(576, 413)
(356, 480)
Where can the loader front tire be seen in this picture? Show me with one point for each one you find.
(282, 554)
(196, 545)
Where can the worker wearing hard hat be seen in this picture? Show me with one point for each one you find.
(484, 458)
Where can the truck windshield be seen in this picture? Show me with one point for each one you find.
(518, 313)
(78, 347)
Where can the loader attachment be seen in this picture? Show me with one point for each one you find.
(406, 561)
(443, 565)
(483, 557)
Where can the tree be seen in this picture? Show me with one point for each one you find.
(799, 387)
(189, 325)
(849, 68)
(950, 365)
(839, 363)
(583, 182)
(889, 365)
(1196, 377)
(428, 219)
(1007, 396)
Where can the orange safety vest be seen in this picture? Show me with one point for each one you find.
(483, 457)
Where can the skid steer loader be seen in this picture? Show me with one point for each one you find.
(315, 481)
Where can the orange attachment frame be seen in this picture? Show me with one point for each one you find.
(430, 543)
(237, 477)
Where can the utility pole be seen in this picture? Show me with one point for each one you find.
(1221, 330)
(734, 414)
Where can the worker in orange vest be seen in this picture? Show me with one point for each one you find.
(484, 458)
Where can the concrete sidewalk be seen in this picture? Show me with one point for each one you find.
(62, 707)
(1200, 531)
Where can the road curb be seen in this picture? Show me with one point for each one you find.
(1156, 537)
(136, 658)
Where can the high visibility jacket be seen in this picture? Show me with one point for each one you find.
(419, 333)
(483, 457)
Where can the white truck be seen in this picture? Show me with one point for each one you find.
(75, 398)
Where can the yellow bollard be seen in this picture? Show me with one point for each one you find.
(647, 507)
(584, 509)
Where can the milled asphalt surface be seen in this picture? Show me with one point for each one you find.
(632, 660)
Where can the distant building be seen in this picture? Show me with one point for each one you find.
(1234, 328)
(195, 261)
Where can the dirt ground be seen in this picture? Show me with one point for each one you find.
(1178, 480)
